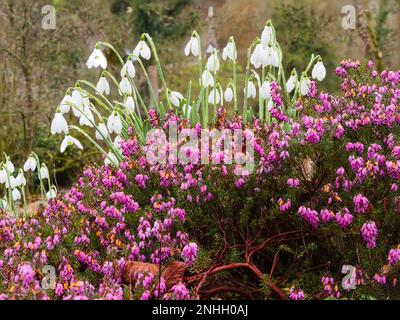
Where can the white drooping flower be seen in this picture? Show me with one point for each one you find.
(319, 71)
(97, 59)
(125, 86)
(101, 131)
(9, 166)
(214, 96)
(259, 56)
(175, 97)
(128, 69)
(267, 35)
(213, 62)
(265, 90)
(77, 103)
(143, 50)
(304, 86)
(111, 159)
(16, 195)
(207, 80)
(114, 123)
(130, 104)
(291, 83)
(65, 104)
(272, 56)
(229, 52)
(30, 164)
(68, 141)
(44, 172)
(86, 118)
(19, 180)
(59, 124)
(192, 47)
(228, 94)
(251, 90)
(3, 176)
(103, 86)
(117, 142)
(52, 193)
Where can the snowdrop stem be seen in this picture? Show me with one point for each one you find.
(110, 46)
(188, 97)
(151, 89)
(203, 101)
(234, 71)
(24, 202)
(164, 83)
(9, 189)
(42, 189)
(246, 79)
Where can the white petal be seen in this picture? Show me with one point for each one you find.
(228, 95)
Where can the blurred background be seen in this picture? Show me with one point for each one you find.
(38, 64)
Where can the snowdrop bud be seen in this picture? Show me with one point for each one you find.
(130, 104)
(86, 118)
(291, 83)
(143, 50)
(251, 90)
(102, 86)
(59, 124)
(267, 34)
(228, 94)
(319, 71)
(44, 172)
(65, 104)
(213, 62)
(175, 97)
(128, 69)
(9, 166)
(111, 159)
(207, 79)
(16, 195)
(68, 141)
(97, 59)
(114, 123)
(259, 57)
(304, 86)
(214, 96)
(101, 131)
(230, 50)
(30, 164)
(125, 86)
(265, 90)
(192, 47)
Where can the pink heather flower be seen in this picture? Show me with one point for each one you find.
(189, 253)
(312, 136)
(293, 183)
(327, 215)
(370, 64)
(369, 232)
(141, 180)
(394, 187)
(296, 294)
(310, 216)
(394, 256)
(240, 183)
(284, 206)
(180, 292)
(26, 274)
(380, 279)
(340, 172)
(344, 219)
(361, 203)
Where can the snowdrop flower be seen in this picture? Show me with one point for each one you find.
(270, 105)
(143, 50)
(111, 159)
(272, 56)
(3, 203)
(102, 86)
(59, 124)
(229, 52)
(192, 47)
(68, 141)
(213, 62)
(44, 172)
(228, 94)
(207, 79)
(9, 166)
(128, 69)
(101, 131)
(267, 34)
(86, 118)
(114, 123)
(117, 142)
(291, 83)
(130, 104)
(3, 176)
(265, 90)
(125, 86)
(16, 195)
(259, 56)
(19, 180)
(30, 164)
(214, 96)
(52, 193)
(304, 86)
(175, 97)
(65, 104)
(77, 102)
(97, 59)
(319, 71)
(251, 90)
